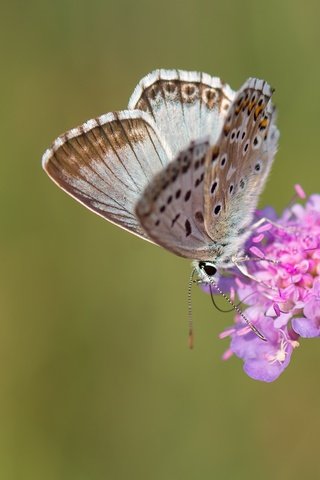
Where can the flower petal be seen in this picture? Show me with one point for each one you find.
(306, 328)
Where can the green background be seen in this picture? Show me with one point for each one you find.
(96, 381)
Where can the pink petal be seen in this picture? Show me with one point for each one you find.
(227, 333)
(299, 191)
(258, 238)
(227, 354)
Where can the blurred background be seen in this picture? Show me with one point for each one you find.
(96, 380)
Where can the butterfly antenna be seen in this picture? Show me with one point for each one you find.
(216, 305)
(237, 309)
(190, 323)
(230, 309)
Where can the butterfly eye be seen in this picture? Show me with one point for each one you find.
(208, 267)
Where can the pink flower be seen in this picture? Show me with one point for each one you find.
(283, 298)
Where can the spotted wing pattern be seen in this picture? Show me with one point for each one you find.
(238, 165)
(107, 162)
(171, 210)
(185, 106)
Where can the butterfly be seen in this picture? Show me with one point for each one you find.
(182, 167)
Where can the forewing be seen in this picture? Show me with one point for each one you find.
(238, 165)
(185, 106)
(171, 210)
(107, 162)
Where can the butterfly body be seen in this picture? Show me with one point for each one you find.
(183, 167)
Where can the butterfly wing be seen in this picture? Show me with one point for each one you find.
(238, 165)
(185, 106)
(171, 209)
(107, 162)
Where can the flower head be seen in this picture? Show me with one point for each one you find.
(280, 295)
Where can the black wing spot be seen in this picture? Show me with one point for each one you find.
(217, 209)
(187, 195)
(157, 223)
(188, 228)
(231, 188)
(213, 187)
(162, 208)
(178, 193)
(242, 183)
(257, 167)
(169, 199)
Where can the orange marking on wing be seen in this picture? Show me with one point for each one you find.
(258, 110)
(264, 123)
